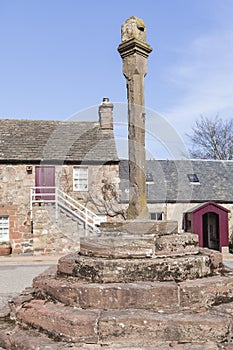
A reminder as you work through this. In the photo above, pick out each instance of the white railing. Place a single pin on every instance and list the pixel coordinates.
(45, 195)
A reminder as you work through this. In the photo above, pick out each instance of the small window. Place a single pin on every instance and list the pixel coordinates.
(4, 229)
(193, 178)
(156, 216)
(149, 177)
(80, 179)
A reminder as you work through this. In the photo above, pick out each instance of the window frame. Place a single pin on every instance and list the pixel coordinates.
(193, 178)
(4, 228)
(157, 214)
(77, 187)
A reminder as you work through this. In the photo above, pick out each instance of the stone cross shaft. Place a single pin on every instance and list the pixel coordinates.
(134, 52)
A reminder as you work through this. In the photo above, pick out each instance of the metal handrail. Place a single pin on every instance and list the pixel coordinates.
(65, 201)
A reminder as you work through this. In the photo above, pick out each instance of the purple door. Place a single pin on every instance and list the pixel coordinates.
(45, 177)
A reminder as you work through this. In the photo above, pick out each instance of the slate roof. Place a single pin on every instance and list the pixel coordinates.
(171, 182)
(36, 140)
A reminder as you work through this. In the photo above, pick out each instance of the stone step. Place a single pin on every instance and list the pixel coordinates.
(206, 292)
(176, 244)
(166, 346)
(144, 246)
(15, 337)
(84, 326)
(59, 321)
(143, 326)
(194, 294)
(118, 247)
(100, 270)
(154, 295)
(140, 227)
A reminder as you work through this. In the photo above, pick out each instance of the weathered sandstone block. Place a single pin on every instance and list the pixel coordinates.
(130, 270)
(152, 295)
(140, 227)
(143, 325)
(206, 292)
(118, 247)
(65, 323)
(176, 244)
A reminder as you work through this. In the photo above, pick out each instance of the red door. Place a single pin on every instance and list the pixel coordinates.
(45, 182)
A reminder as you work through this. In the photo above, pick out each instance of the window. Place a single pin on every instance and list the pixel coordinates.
(149, 177)
(4, 228)
(80, 179)
(193, 178)
(156, 216)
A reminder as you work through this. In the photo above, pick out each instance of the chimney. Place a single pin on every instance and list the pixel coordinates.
(105, 114)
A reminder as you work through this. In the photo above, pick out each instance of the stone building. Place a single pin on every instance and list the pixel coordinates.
(177, 187)
(38, 158)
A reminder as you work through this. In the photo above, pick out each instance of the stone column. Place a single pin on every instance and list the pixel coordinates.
(134, 52)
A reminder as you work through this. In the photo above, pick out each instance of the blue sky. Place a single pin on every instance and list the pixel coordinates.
(59, 57)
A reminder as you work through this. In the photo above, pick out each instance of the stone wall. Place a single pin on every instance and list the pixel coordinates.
(96, 175)
(15, 184)
(54, 233)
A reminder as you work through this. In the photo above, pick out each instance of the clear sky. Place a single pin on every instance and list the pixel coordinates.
(59, 57)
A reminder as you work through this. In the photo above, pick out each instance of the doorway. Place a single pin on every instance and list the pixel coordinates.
(45, 182)
(210, 224)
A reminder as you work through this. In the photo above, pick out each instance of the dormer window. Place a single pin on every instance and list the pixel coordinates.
(193, 178)
(149, 177)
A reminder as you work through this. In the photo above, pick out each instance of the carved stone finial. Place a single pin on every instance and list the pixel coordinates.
(133, 28)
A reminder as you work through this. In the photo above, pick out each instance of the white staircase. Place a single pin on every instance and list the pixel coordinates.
(61, 200)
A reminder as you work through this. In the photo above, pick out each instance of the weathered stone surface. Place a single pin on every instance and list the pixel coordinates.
(144, 246)
(118, 247)
(129, 270)
(141, 227)
(141, 325)
(228, 347)
(65, 323)
(191, 294)
(4, 307)
(215, 256)
(67, 264)
(155, 345)
(176, 244)
(224, 309)
(109, 296)
(206, 292)
(14, 337)
(134, 53)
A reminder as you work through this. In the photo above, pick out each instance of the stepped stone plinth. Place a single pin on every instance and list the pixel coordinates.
(139, 227)
(146, 246)
(100, 270)
(134, 287)
(118, 247)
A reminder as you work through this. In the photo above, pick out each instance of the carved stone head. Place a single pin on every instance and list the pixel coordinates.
(133, 28)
